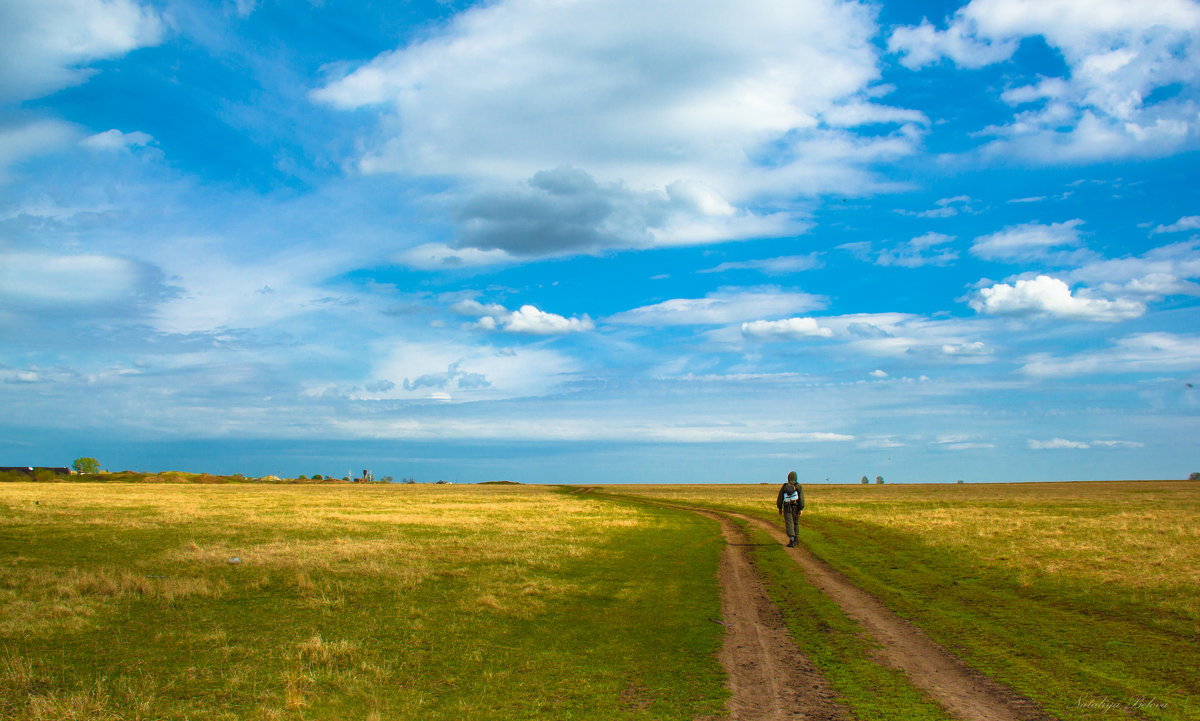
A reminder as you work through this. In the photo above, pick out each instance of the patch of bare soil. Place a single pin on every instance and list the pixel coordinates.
(768, 677)
(963, 691)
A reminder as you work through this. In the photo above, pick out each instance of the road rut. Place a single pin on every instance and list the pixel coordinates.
(964, 692)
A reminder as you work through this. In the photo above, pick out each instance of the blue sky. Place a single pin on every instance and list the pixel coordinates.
(592, 241)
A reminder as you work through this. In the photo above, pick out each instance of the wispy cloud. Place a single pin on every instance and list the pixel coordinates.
(1029, 241)
(1137, 353)
(1188, 222)
(725, 306)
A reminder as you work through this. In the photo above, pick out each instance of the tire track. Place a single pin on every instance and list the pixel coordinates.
(768, 676)
(964, 692)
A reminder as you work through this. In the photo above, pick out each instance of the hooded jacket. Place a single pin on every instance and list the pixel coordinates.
(785, 497)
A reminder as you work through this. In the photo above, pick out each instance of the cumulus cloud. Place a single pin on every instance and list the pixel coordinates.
(565, 210)
(1029, 241)
(1049, 297)
(1140, 353)
(1117, 54)
(721, 307)
(787, 328)
(527, 320)
(116, 140)
(671, 106)
(44, 44)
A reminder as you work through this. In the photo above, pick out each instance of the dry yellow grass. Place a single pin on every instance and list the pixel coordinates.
(1140, 538)
(257, 601)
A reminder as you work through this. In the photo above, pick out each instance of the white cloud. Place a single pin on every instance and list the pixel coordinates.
(72, 282)
(1045, 296)
(1189, 222)
(531, 321)
(887, 335)
(959, 442)
(923, 250)
(439, 256)
(721, 307)
(974, 348)
(1117, 53)
(20, 142)
(1160, 272)
(217, 294)
(647, 94)
(924, 44)
(1140, 353)
(44, 43)
(471, 307)
(787, 328)
(1056, 444)
(944, 208)
(877, 373)
(781, 265)
(451, 371)
(566, 211)
(1028, 241)
(116, 140)
(914, 253)
(527, 320)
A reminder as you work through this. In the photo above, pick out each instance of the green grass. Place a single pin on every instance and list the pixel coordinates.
(353, 602)
(1081, 596)
(836, 644)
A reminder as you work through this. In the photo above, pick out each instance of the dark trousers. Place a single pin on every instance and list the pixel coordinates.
(791, 520)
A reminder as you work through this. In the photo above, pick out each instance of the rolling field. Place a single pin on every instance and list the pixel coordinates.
(1081, 596)
(352, 602)
(232, 601)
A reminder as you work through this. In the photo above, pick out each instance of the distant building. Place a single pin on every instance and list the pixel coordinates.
(367, 477)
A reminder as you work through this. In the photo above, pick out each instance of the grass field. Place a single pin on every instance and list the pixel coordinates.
(120, 600)
(1082, 596)
(352, 602)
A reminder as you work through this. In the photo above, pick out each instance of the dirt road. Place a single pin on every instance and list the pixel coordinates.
(768, 677)
(964, 692)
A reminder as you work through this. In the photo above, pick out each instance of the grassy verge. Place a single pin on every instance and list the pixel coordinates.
(1080, 596)
(835, 643)
(121, 601)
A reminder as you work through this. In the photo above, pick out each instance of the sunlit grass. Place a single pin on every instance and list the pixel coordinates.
(281, 602)
(1065, 591)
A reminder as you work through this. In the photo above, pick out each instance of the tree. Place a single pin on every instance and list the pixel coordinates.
(85, 465)
(879, 479)
(1194, 477)
(864, 481)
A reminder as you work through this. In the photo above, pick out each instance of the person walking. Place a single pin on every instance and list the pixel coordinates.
(791, 504)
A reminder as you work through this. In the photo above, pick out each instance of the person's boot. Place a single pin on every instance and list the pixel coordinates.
(791, 542)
